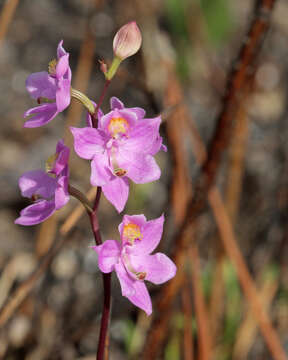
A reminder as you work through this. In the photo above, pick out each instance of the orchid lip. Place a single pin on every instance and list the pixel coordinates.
(139, 275)
(120, 172)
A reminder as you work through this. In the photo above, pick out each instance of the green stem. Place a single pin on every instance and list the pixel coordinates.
(113, 68)
(81, 197)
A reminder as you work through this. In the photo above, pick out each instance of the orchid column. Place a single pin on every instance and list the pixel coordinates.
(121, 146)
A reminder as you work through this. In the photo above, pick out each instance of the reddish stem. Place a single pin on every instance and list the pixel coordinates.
(97, 236)
(95, 115)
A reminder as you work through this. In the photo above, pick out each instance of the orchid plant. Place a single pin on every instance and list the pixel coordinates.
(121, 146)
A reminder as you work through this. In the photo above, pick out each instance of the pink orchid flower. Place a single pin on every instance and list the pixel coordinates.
(132, 259)
(122, 148)
(54, 85)
(49, 193)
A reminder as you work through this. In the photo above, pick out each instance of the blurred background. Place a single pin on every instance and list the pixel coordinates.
(181, 72)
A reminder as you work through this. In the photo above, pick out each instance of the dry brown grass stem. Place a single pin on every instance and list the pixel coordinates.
(232, 250)
(248, 329)
(6, 16)
(203, 330)
(188, 352)
(21, 293)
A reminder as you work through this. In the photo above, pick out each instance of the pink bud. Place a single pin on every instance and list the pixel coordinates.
(127, 41)
(103, 66)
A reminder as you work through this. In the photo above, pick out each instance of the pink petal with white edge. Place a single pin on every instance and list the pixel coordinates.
(115, 103)
(139, 112)
(61, 162)
(40, 115)
(61, 193)
(141, 168)
(60, 50)
(41, 84)
(126, 282)
(37, 182)
(88, 141)
(116, 191)
(36, 213)
(100, 172)
(63, 95)
(141, 297)
(108, 255)
(158, 267)
(139, 220)
(143, 136)
(152, 233)
(62, 66)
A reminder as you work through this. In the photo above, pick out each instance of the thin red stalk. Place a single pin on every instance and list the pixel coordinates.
(97, 236)
(95, 115)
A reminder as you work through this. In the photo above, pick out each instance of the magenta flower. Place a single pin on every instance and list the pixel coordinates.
(122, 148)
(53, 85)
(132, 260)
(48, 193)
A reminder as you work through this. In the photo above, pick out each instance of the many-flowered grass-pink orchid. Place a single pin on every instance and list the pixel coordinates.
(53, 86)
(48, 190)
(132, 259)
(121, 148)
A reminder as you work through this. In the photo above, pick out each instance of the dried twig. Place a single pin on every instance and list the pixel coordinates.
(236, 84)
(6, 16)
(204, 336)
(187, 313)
(230, 244)
(26, 287)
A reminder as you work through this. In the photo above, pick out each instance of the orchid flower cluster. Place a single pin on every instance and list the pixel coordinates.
(121, 146)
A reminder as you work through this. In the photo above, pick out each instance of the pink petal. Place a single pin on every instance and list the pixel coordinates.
(41, 84)
(63, 157)
(134, 290)
(143, 136)
(157, 146)
(141, 297)
(139, 112)
(115, 103)
(152, 233)
(158, 267)
(40, 115)
(37, 182)
(126, 282)
(139, 220)
(140, 167)
(116, 191)
(108, 255)
(62, 66)
(100, 172)
(61, 192)
(63, 95)
(60, 50)
(129, 116)
(88, 141)
(36, 213)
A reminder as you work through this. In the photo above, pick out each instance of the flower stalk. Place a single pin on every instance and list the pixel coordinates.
(113, 68)
(81, 197)
(84, 100)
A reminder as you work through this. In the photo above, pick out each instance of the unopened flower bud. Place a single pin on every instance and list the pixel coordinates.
(103, 66)
(127, 40)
